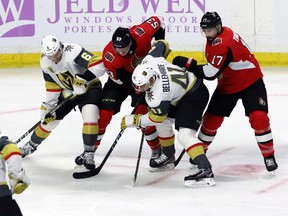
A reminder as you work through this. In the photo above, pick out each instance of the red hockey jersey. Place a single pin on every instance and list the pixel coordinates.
(119, 67)
(229, 58)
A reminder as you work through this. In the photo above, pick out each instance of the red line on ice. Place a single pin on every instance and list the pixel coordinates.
(272, 187)
(17, 111)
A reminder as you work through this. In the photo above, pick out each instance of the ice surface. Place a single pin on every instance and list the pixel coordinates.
(244, 187)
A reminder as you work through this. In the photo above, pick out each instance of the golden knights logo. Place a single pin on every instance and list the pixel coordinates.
(69, 48)
(66, 79)
(150, 95)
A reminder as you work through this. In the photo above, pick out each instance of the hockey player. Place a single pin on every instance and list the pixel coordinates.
(173, 93)
(239, 77)
(120, 56)
(11, 162)
(69, 69)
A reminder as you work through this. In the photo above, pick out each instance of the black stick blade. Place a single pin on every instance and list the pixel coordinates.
(86, 174)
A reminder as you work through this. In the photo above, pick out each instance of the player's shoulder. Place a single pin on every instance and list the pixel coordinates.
(146, 29)
(108, 48)
(45, 62)
(223, 40)
(109, 57)
(227, 35)
(71, 51)
(154, 62)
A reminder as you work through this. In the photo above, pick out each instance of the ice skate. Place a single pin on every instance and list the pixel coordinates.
(88, 162)
(270, 163)
(162, 163)
(202, 178)
(193, 164)
(28, 149)
(79, 160)
(155, 153)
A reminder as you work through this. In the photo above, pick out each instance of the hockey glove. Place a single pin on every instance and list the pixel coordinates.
(79, 86)
(46, 116)
(18, 182)
(130, 121)
(187, 63)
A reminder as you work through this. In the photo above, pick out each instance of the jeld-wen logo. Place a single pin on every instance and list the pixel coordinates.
(17, 18)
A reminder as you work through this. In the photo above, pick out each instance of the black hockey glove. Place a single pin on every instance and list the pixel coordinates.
(188, 63)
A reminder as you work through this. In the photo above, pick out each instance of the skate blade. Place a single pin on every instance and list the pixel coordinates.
(163, 168)
(206, 182)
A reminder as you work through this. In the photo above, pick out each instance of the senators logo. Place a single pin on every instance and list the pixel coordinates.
(140, 31)
(109, 57)
(217, 41)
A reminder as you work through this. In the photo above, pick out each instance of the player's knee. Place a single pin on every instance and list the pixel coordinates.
(212, 122)
(187, 137)
(90, 113)
(165, 129)
(259, 120)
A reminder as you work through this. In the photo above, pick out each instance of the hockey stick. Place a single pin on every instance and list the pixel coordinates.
(179, 158)
(51, 112)
(138, 160)
(94, 172)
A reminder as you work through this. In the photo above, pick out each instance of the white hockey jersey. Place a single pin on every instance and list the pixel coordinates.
(59, 77)
(171, 85)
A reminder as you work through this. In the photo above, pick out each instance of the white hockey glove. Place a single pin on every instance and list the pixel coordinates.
(46, 116)
(130, 121)
(18, 182)
(79, 86)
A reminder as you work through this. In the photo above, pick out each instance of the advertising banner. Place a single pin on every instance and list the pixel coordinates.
(91, 23)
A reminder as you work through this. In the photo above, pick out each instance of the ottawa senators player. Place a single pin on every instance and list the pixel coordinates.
(120, 56)
(239, 77)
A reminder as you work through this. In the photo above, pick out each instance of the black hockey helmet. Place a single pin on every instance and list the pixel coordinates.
(121, 37)
(210, 19)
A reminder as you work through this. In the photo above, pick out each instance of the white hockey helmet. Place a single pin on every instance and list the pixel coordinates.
(50, 45)
(143, 77)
